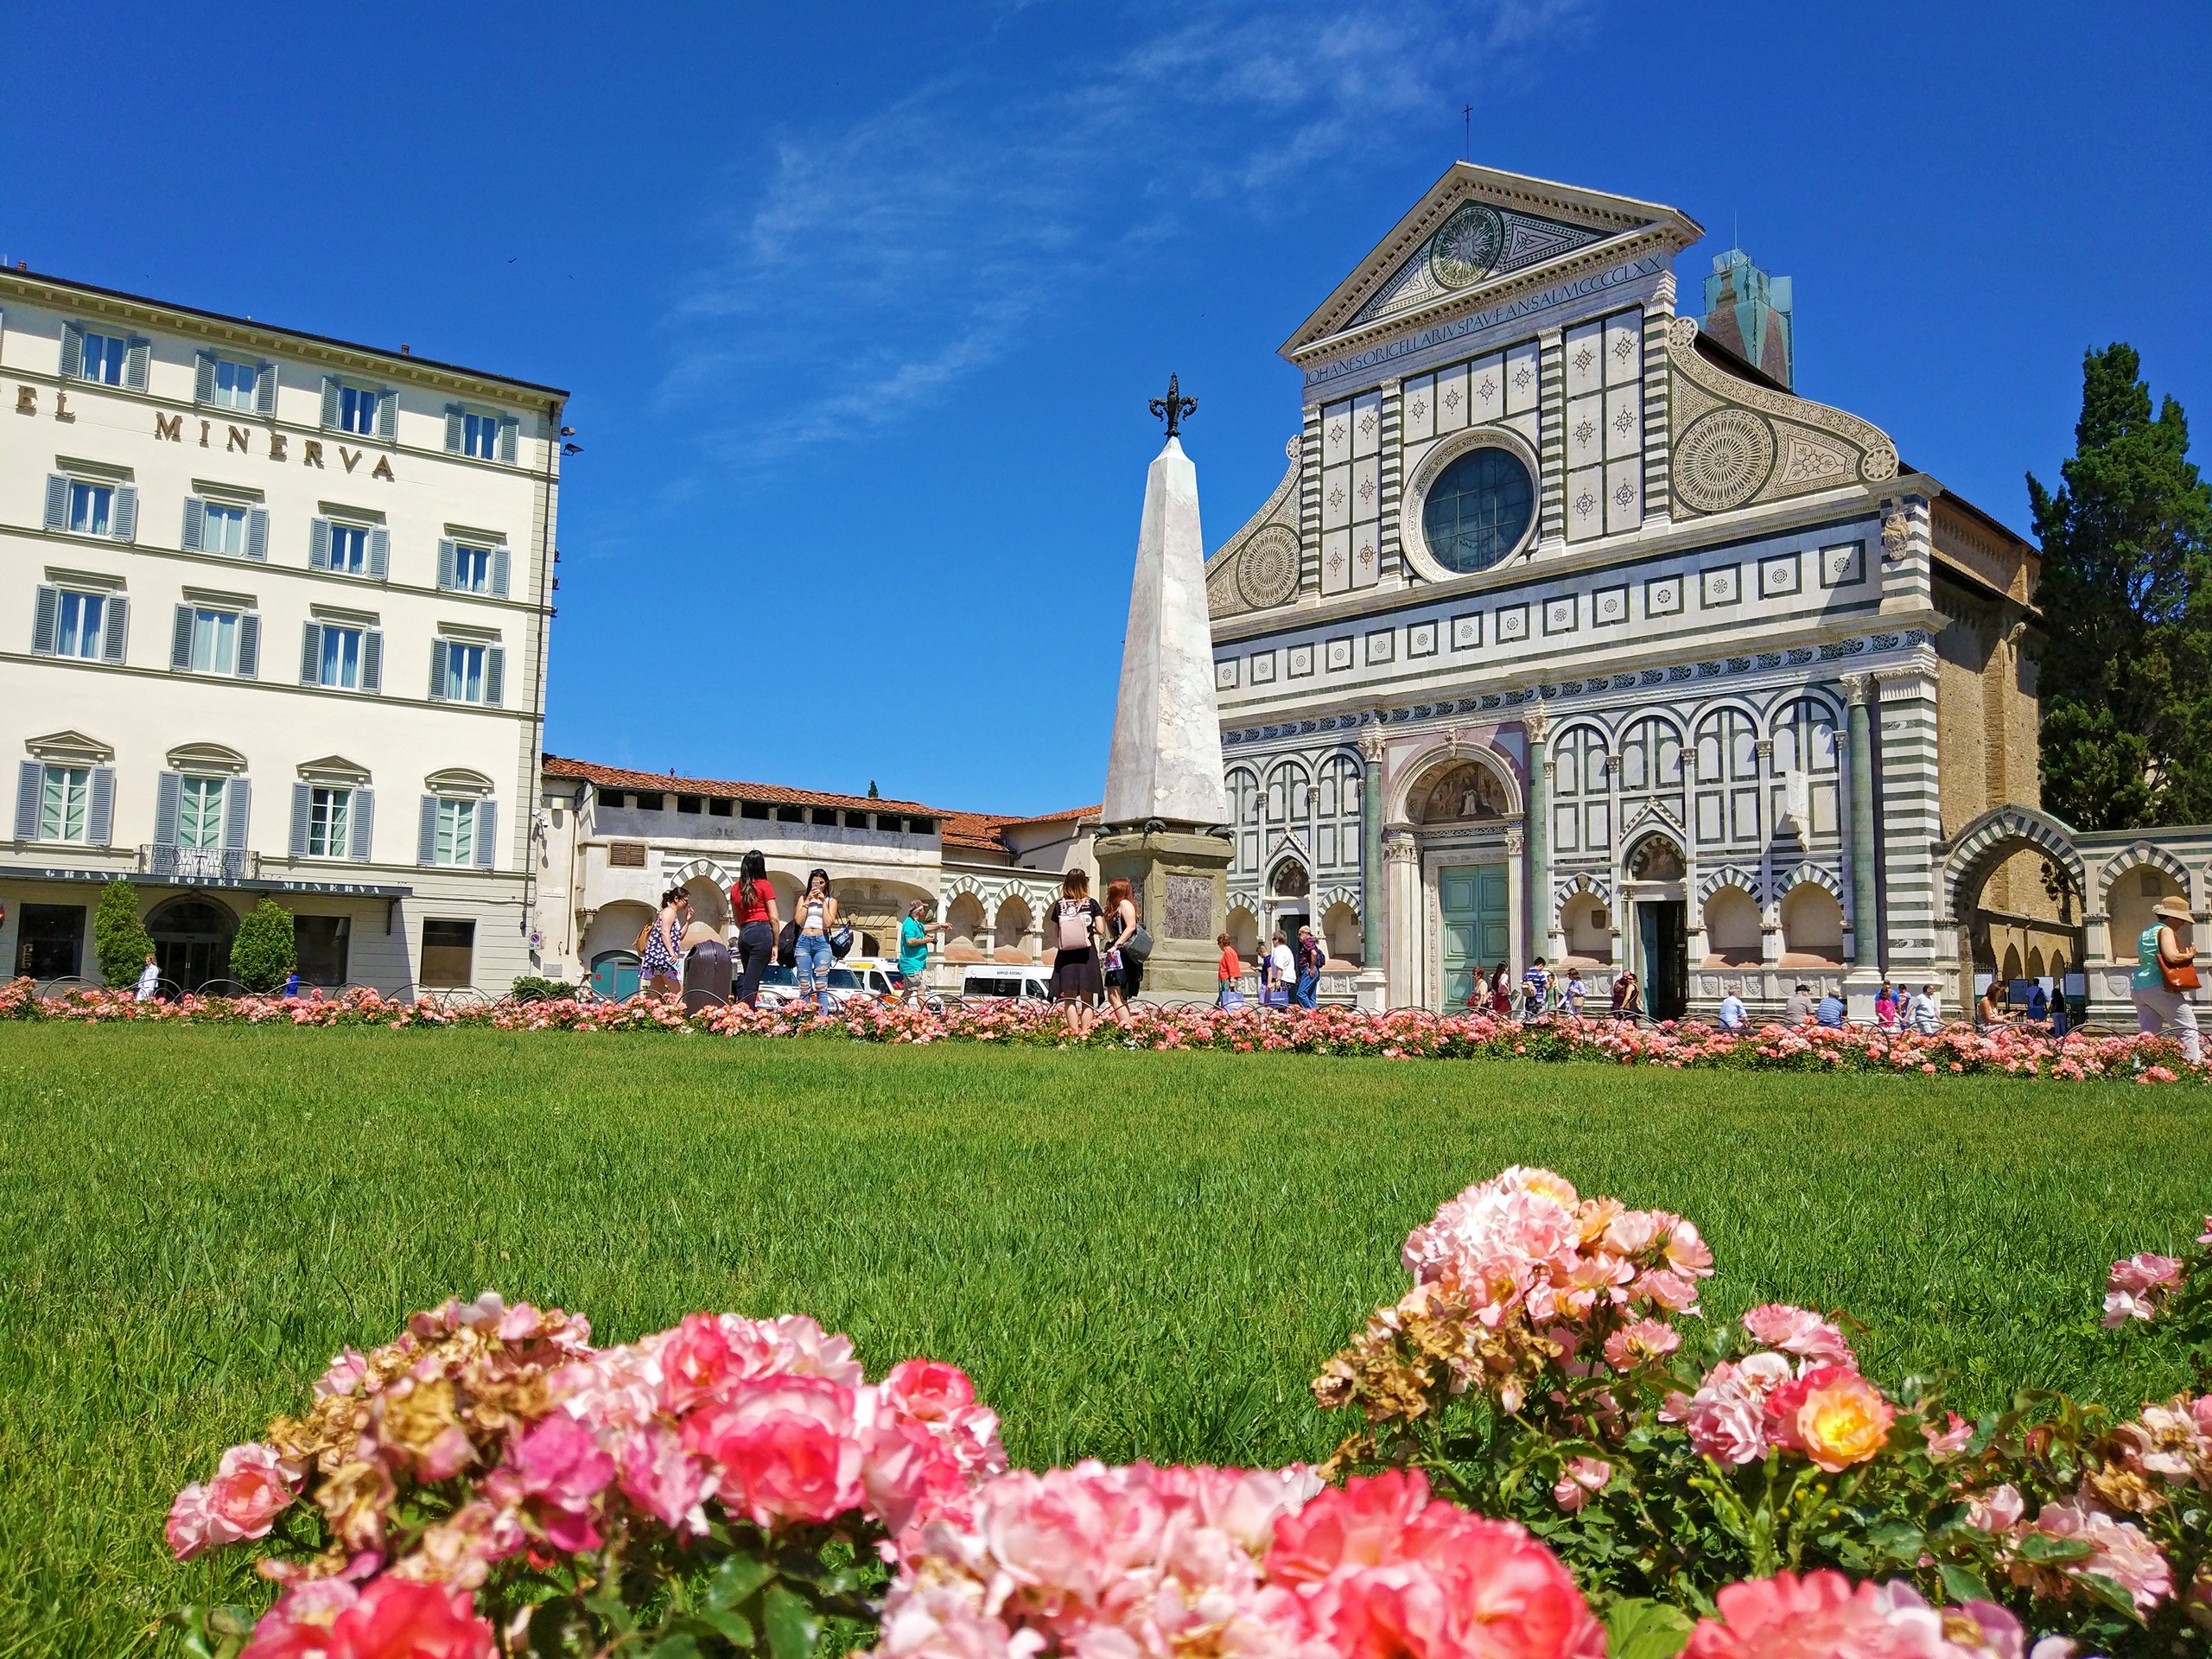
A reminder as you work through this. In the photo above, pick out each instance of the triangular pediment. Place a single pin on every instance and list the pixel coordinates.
(71, 745)
(1479, 234)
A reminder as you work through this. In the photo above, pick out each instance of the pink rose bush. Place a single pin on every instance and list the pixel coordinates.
(1400, 1033)
(1145, 1563)
(1548, 1365)
(492, 1481)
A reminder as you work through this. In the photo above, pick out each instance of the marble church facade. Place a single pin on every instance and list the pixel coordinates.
(1568, 633)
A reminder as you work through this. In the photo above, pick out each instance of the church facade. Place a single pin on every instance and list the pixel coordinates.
(1572, 631)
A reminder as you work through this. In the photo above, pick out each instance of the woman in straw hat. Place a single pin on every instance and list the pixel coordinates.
(2165, 974)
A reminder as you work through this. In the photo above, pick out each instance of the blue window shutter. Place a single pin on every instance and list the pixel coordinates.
(116, 629)
(134, 355)
(426, 846)
(371, 659)
(237, 807)
(360, 823)
(181, 638)
(499, 572)
(387, 413)
(167, 799)
(250, 645)
(318, 545)
(126, 513)
(379, 553)
(487, 834)
(203, 377)
(329, 400)
(454, 416)
(265, 389)
(508, 428)
(73, 351)
(102, 826)
(57, 501)
(495, 674)
(45, 620)
(302, 812)
(196, 523)
(256, 533)
(445, 564)
(311, 655)
(30, 784)
(438, 670)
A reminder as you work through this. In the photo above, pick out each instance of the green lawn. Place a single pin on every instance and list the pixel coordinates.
(1136, 1254)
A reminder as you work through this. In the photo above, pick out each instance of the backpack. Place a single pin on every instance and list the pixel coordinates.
(1075, 926)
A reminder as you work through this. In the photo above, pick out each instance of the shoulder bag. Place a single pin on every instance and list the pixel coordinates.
(2178, 975)
(1138, 944)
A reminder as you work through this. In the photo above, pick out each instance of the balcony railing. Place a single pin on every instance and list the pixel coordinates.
(200, 864)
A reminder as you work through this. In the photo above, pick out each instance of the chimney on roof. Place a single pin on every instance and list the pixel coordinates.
(1749, 312)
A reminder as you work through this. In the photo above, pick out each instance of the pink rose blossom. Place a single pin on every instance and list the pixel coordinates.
(2143, 1272)
(1798, 1331)
(347, 1373)
(1641, 1340)
(2120, 1551)
(252, 1486)
(1946, 1443)
(1580, 1478)
(661, 1477)
(786, 1447)
(1823, 1615)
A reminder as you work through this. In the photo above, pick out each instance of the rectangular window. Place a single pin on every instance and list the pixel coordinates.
(64, 804)
(472, 568)
(235, 385)
(104, 355)
(92, 506)
(222, 529)
(479, 437)
(349, 549)
(464, 674)
(357, 410)
(456, 842)
(328, 810)
(51, 942)
(78, 624)
(341, 657)
(448, 949)
(200, 813)
(318, 942)
(214, 643)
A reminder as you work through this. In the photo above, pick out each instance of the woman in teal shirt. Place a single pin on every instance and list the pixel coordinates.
(2159, 1009)
(913, 950)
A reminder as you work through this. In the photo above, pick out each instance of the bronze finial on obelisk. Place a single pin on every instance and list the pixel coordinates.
(1174, 407)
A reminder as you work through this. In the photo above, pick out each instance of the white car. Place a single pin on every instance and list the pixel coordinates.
(856, 978)
(1007, 979)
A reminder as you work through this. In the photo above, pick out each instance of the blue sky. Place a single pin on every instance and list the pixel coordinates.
(861, 305)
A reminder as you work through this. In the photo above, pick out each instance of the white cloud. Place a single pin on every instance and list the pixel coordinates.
(885, 258)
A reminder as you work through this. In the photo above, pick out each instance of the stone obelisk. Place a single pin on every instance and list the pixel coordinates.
(1166, 804)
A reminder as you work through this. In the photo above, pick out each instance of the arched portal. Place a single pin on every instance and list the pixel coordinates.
(192, 939)
(2015, 884)
(1655, 901)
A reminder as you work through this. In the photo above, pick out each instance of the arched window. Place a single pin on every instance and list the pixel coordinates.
(1582, 813)
(1651, 756)
(1727, 777)
(1285, 800)
(1804, 738)
(1805, 768)
(1336, 814)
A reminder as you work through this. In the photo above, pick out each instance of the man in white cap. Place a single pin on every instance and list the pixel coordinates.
(2165, 974)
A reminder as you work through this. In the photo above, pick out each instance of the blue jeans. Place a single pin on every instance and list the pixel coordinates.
(1309, 988)
(813, 960)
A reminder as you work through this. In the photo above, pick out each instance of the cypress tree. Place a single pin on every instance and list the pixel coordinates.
(2127, 594)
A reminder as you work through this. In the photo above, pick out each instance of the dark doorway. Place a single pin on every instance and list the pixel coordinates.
(52, 943)
(1663, 929)
(320, 943)
(192, 941)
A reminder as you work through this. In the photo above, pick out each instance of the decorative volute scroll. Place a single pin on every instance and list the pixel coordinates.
(1736, 443)
(1257, 568)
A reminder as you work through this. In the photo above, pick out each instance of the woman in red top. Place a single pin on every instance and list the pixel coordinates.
(753, 909)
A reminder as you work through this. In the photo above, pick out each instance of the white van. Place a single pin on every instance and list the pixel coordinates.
(1012, 979)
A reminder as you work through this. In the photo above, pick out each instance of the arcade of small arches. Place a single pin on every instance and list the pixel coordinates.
(2026, 896)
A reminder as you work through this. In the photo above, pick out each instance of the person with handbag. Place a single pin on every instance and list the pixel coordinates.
(2165, 972)
(1228, 973)
(1127, 943)
(818, 920)
(1077, 982)
(753, 908)
(1282, 972)
(660, 955)
(1309, 958)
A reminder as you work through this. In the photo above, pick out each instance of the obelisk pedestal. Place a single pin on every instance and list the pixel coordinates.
(1166, 804)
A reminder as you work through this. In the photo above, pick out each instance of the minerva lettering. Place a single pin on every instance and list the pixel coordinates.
(237, 440)
(1596, 282)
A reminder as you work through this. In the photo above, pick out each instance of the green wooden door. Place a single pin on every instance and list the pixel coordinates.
(1472, 899)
